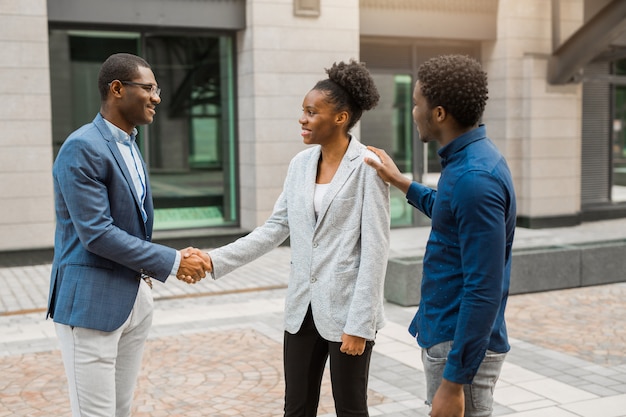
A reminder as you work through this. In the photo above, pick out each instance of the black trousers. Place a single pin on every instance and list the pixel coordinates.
(304, 357)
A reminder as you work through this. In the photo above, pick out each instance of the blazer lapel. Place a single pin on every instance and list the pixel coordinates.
(309, 185)
(112, 144)
(345, 170)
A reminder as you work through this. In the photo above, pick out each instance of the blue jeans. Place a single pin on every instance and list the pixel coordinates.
(478, 394)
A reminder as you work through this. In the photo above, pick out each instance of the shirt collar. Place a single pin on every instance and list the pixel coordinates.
(462, 141)
(119, 135)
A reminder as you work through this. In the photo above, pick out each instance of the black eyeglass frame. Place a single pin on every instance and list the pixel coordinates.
(151, 88)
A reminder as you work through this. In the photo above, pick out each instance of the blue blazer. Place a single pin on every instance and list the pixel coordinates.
(101, 244)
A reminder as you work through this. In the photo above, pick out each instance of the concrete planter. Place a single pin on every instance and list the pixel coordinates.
(535, 269)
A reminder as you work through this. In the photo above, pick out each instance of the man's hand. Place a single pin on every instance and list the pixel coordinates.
(194, 265)
(449, 400)
(352, 345)
(388, 170)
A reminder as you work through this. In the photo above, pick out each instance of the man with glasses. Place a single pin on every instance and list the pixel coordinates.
(100, 298)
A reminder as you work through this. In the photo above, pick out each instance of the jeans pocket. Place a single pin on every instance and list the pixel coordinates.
(434, 360)
(482, 387)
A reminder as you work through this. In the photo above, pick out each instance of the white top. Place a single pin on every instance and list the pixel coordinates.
(320, 192)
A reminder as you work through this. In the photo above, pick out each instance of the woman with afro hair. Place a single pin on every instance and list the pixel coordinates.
(335, 211)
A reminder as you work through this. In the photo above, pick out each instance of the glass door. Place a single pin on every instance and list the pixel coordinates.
(190, 146)
(190, 149)
(390, 127)
(618, 189)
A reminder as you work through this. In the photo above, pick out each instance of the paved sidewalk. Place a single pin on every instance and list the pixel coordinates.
(216, 347)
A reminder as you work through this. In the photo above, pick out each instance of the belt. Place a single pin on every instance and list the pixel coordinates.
(147, 279)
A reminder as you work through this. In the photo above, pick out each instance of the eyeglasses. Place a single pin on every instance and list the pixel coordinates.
(151, 88)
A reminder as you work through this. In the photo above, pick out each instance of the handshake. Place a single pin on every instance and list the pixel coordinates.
(194, 265)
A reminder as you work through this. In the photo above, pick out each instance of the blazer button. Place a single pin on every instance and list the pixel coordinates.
(315, 245)
(313, 279)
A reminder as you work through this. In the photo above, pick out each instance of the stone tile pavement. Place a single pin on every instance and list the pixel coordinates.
(216, 347)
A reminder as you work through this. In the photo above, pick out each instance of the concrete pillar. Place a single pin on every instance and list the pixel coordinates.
(536, 125)
(280, 57)
(26, 200)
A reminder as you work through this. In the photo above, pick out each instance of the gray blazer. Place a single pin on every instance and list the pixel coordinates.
(338, 261)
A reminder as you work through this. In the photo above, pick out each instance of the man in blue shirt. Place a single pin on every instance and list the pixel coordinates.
(460, 321)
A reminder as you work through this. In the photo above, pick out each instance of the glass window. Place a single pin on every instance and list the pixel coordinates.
(618, 191)
(190, 146)
(390, 127)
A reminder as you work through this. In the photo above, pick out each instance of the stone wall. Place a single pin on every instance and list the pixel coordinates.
(26, 200)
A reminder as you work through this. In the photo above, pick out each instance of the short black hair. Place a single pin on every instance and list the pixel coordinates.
(121, 67)
(349, 87)
(458, 84)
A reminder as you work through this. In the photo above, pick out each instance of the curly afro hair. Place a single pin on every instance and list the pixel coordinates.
(349, 87)
(458, 84)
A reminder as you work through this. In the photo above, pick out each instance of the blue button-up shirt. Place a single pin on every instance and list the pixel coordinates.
(467, 263)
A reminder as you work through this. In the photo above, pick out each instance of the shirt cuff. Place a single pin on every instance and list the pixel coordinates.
(176, 263)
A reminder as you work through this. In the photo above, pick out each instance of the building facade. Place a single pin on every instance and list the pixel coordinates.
(233, 74)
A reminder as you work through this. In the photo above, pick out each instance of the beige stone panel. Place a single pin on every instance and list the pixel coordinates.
(553, 168)
(248, 175)
(496, 128)
(245, 110)
(557, 148)
(25, 133)
(21, 159)
(427, 24)
(277, 106)
(572, 90)
(288, 62)
(25, 184)
(247, 197)
(510, 148)
(515, 166)
(496, 109)
(523, 204)
(572, 10)
(280, 153)
(505, 68)
(553, 188)
(268, 196)
(23, 7)
(523, 8)
(34, 54)
(20, 80)
(296, 85)
(246, 84)
(335, 14)
(27, 210)
(248, 218)
(286, 134)
(26, 236)
(504, 88)
(553, 107)
(10, 56)
(270, 175)
(25, 107)
(510, 48)
(23, 28)
(528, 28)
(554, 206)
(555, 128)
(305, 40)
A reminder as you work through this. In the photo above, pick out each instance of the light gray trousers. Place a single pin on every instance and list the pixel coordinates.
(102, 367)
